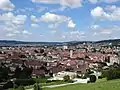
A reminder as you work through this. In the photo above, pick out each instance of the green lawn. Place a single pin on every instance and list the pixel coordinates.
(99, 85)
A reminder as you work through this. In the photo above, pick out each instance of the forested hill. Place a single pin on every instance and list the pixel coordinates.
(13, 42)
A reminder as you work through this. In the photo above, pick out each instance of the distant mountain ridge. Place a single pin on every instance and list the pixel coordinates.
(13, 42)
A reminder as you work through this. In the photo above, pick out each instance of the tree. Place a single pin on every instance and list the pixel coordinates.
(4, 71)
(25, 73)
(41, 50)
(37, 87)
(66, 78)
(17, 72)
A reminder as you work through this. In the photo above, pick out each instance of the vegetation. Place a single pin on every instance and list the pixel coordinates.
(21, 88)
(101, 84)
(37, 87)
(113, 74)
(66, 78)
(24, 82)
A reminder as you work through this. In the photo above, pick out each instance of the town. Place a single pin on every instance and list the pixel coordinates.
(59, 44)
(54, 63)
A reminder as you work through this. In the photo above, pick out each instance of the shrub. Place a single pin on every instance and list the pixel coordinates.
(100, 77)
(78, 76)
(70, 81)
(104, 74)
(93, 78)
(21, 88)
(37, 87)
(85, 76)
(113, 74)
(66, 78)
(24, 82)
(8, 85)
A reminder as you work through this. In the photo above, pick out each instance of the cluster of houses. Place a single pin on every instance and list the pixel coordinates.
(56, 60)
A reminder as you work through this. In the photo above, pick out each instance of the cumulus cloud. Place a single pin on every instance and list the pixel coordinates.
(106, 32)
(56, 20)
(6, 5)
(65, 3)
(10, 34)
(18, 19)
(111, 1)
(105, 1)
(46, 1)
(34, 18)
(95, 26)
(12, 25)
(34, 25)
(93, 1)
(53, 18)
(77, 32)
(25, 32)
(71, 24)
(112, 14)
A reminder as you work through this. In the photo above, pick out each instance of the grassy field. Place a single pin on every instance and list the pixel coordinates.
(99, 85)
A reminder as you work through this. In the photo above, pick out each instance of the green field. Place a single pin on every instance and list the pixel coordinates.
(99, 85)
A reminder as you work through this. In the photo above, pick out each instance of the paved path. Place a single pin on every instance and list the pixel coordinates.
(53, 86)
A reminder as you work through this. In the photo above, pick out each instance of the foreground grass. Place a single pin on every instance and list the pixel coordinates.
(99, 85)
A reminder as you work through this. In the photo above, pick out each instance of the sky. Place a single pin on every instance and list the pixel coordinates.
(59, 20)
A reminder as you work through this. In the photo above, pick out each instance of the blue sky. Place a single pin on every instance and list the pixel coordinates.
(59, 20)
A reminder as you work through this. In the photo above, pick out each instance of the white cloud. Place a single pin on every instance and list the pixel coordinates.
(10, 17)
(19, 19)
(97, 12)
(65, 3)
(34, 25)
(110, 1)
(93, 1)
(6, 5)
(77, 33)
(53, 18)
(62, 8)
(95, 26)
(71, 3)
(105, 1)
(25, 32)
(54, 31)
(10, 34)
(112, 14)
(34, 18)
(13, 25)
(63, 37)
(16, 32)
(52, 26)
(95, 34)
(41, 9)
(106, 32)
(46, 1)
(71, 24)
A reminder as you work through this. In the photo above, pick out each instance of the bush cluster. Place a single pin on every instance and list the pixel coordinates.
(113, 74)
(24, 82)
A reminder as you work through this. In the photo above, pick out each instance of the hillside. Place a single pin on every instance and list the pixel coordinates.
(13, 42)
(100, 85)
